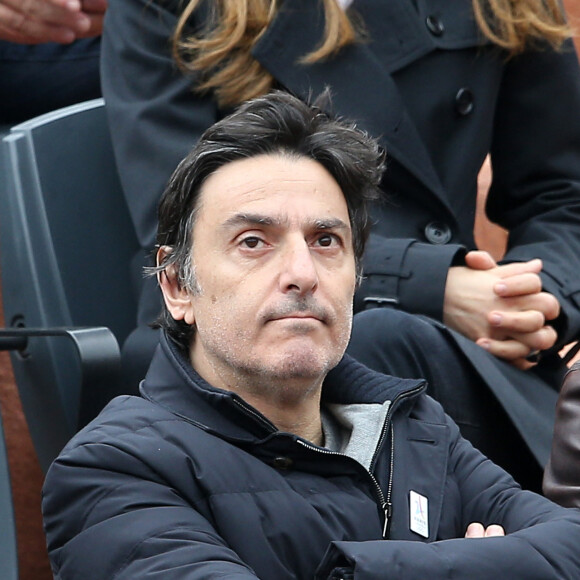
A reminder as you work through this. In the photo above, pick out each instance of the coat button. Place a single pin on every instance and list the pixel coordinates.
(434, 25)
(437, 232)
(282, 462)
(464, 101)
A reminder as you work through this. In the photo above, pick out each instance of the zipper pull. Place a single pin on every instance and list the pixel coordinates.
(388, 509)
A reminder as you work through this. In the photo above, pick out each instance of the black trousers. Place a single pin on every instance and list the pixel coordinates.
(35, 79)
(409, 346)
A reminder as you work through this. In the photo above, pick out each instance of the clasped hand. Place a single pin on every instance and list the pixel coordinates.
(39, 21)
(501, 308)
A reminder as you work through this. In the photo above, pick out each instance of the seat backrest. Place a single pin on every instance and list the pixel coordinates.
(66, 244)
(8, 550)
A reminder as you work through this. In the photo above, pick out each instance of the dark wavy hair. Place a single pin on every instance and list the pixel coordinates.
(276, 123)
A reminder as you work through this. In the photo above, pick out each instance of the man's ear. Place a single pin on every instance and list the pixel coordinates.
(177, 298)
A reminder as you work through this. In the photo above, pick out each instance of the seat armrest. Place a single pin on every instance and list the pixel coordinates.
(99, 356)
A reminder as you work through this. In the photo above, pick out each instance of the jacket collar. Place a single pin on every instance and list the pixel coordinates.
(172, 383)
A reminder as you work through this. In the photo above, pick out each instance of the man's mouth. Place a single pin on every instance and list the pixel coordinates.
(300, 311)
(298, 316)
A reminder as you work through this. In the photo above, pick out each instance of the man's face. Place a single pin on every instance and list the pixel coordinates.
(275, 268)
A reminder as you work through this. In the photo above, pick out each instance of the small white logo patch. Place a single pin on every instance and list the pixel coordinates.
(418, 514)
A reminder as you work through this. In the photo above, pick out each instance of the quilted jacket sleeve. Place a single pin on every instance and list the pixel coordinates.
(540, 541)
(110, 512)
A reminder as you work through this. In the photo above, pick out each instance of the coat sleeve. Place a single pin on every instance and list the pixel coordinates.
(540, 541)
(154, 116)
(535, 192)
(406, 274)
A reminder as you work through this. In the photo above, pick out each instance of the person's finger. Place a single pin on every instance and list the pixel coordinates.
(520, 345)
(475, 530)
(546, 303)
(540, 340)
(508, 349)
(479, 260)
(515, 268)
(520, 322)
(550, 306)
(35, 21)
(494, 530)
(95, 28)
(543, 302)
(15, 28)
(535, 339)
(518, 285)
(53, 11)
(65, 13)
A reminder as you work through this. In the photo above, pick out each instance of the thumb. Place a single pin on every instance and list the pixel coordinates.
(479, 260)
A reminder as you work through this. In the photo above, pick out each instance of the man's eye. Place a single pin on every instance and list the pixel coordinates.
(252, 242)
(327, 240)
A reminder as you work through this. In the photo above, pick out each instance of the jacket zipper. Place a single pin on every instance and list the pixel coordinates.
(255, 415)
(386, 504)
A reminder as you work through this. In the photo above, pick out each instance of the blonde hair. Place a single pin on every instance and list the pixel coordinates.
(515, 24)
(221, 52)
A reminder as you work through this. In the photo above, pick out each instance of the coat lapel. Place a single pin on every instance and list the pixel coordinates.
(361, 85)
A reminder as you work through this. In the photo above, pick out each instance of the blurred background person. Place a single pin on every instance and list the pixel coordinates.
(49, 55)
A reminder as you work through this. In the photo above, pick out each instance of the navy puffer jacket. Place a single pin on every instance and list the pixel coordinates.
(190, 482)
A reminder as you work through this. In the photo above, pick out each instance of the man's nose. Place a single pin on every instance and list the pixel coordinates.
(298, 269)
